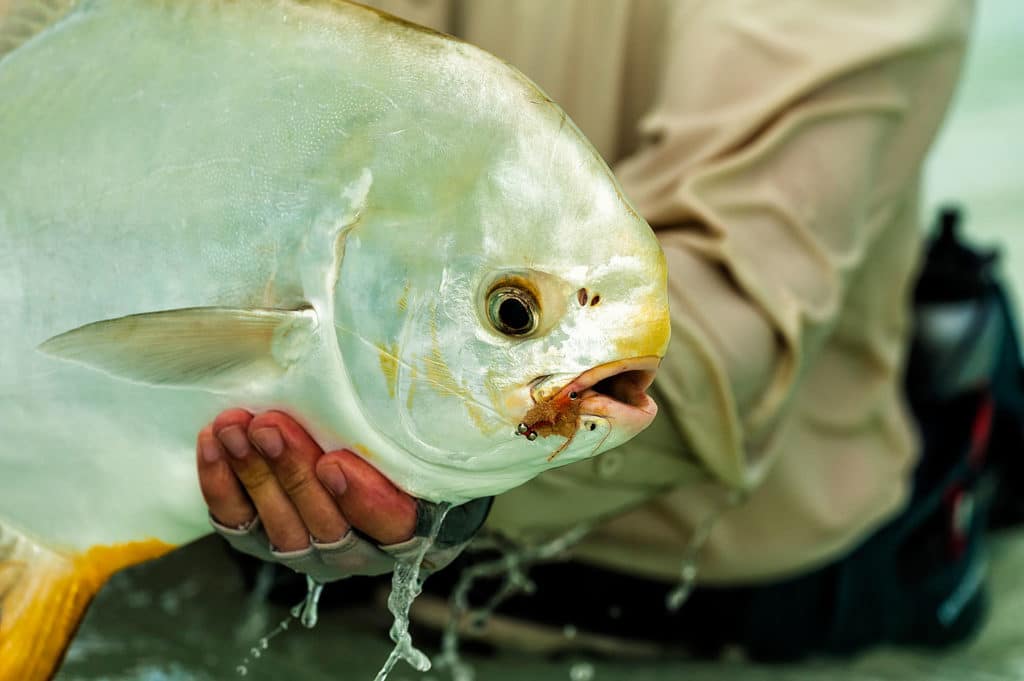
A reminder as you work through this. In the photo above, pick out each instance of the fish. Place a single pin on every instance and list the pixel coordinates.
(307, 206)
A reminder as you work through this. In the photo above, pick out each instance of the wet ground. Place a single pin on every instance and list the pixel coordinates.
(187, 618)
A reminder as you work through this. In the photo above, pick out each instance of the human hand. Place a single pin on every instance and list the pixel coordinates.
(274, 494)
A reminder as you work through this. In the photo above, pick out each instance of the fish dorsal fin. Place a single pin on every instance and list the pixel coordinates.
(22, 19)
(208, 347)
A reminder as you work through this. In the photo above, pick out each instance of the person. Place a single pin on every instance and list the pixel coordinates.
(776, 149)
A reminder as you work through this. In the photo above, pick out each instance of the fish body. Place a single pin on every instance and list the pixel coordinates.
(310, 207)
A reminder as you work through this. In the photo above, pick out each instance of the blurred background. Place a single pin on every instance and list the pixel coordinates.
(187, 617)
(978, 160)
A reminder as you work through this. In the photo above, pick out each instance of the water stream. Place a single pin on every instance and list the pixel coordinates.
(512, 567)
(688, 567)
(306, 612)
(406, 585)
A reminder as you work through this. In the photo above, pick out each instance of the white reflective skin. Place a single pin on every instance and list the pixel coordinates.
(269, 155)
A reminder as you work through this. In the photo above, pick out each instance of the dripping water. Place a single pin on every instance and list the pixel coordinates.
(406, 585)
(581, 671)
(512, 567)
(688, 567)
(256, 617)
(305, 611)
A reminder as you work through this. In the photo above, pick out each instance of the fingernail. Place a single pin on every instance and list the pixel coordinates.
(332, 476)
(268, 441)
(235, 440)
(209, 449)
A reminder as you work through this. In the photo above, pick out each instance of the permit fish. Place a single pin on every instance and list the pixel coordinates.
(307, 206)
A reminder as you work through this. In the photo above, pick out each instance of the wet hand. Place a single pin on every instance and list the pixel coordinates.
(267, 466)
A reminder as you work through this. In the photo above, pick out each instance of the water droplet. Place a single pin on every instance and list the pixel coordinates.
(678, 596)
(307, 611)
(687, 581)
(581, 671)
(263, 644)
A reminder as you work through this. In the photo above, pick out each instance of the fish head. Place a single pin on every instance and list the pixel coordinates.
(501, 307)
(521, 336)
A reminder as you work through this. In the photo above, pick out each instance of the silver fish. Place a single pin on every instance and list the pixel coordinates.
(306, 206)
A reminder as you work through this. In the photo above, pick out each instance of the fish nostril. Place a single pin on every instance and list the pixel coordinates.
(581, 297)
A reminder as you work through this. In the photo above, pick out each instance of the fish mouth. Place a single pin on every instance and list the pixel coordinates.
(615, 390)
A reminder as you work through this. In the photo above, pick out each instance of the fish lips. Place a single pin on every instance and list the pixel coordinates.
(616, 391)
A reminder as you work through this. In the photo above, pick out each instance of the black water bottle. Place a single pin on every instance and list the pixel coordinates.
(959, 324)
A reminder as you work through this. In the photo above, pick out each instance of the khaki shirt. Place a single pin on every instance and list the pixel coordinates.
(776, 148)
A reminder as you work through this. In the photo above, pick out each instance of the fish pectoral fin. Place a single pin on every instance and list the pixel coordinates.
(44, 595)
(209, 347)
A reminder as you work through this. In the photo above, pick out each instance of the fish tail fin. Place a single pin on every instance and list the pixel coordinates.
(44, 595)
(41, 603)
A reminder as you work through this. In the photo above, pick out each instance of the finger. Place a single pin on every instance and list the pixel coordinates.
(223, 493)
(281, 521)
(367, 499)
(292, 455)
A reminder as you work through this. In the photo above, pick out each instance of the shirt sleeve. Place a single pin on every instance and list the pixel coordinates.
(785, 136)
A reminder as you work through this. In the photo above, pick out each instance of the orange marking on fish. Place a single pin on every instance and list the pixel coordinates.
(403, 300)
(439, 376)
(652, 330)
(388, 357)
(47, 598)
(363, 451)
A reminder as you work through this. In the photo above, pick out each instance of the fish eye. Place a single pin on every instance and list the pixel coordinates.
(512, 310)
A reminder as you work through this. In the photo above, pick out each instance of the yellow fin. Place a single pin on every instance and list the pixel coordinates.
(22, 19)
(44, 595)
(211, 347)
